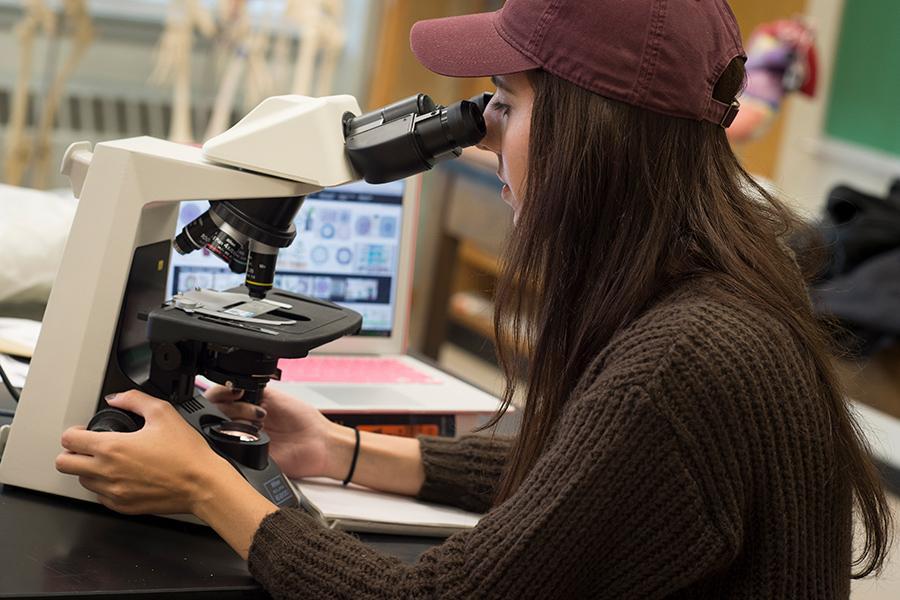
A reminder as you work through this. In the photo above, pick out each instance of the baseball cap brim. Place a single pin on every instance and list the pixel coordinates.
(466, 46)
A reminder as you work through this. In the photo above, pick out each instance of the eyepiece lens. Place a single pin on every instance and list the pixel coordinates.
(387, 149)
(466, 123)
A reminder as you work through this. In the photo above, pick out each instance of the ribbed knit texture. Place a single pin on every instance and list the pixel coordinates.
(695, 460)
(463, 472)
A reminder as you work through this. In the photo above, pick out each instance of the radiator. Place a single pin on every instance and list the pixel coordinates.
(97, 117)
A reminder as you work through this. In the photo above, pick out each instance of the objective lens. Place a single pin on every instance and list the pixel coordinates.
(211, 232)
(196, 234)
(229, 250)
(260, 269)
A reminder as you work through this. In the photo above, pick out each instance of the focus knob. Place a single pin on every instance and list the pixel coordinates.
(114, 419)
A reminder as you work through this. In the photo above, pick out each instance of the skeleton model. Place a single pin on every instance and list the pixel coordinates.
(333, 41)
(322, 40)
(246, 51)
(259, 81)
(22, 152)
(322, 37)
(78, 21)
(18, 151)
(174, 60)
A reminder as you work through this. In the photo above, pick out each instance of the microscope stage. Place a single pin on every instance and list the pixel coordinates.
(283, 324)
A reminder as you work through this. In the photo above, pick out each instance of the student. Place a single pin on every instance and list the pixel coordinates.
(683, 433)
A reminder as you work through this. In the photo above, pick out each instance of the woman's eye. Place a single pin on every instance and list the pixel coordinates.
(501, 108)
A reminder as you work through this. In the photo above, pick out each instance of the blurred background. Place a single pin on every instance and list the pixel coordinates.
(826, 137)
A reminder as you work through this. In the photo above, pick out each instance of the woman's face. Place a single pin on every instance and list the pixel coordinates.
(508, 119)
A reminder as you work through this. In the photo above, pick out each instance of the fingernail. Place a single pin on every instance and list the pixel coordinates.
(110, 397)
(260, 413)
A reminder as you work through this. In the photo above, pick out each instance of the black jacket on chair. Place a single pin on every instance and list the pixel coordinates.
(861, 285)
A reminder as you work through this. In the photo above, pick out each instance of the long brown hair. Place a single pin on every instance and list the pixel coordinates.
(601, 175)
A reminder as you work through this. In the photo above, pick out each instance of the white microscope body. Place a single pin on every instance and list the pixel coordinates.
(129, 193)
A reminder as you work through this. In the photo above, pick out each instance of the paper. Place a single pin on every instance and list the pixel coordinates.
(15, 370)
(19, 336)
(363, 509)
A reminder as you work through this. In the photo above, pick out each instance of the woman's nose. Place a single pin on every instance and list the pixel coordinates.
(491, 140)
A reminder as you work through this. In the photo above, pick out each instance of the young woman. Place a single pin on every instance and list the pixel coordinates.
(683, 433)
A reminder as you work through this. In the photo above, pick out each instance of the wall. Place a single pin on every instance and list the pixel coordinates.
(761, 156)
(810, 165)
(397, 72)
(113, 76)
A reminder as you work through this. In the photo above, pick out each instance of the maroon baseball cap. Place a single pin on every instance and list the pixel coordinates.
(662, 55)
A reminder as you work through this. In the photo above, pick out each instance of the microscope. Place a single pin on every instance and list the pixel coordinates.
(109, 326)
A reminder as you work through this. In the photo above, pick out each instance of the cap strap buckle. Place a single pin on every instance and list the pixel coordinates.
(730, 114)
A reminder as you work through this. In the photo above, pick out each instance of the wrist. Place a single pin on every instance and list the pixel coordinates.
(339, 446)
(232, 507)
(212, 486)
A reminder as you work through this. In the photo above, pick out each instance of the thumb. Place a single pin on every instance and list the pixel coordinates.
(136, 401)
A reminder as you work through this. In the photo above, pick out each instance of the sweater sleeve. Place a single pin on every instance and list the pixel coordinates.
(610, 510)
(463, 472)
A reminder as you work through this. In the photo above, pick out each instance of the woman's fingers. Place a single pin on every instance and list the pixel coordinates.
(219, 394)
(138, 403)
(228, 401)
(243, 411)
(75, 464)
(80, 440)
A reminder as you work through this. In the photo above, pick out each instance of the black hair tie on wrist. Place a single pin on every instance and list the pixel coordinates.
(355, 457)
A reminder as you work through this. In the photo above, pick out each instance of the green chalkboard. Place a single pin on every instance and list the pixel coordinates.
(864, 106)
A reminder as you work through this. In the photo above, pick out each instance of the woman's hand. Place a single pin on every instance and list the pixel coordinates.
(164, 468)
(303, 440)
(306, 444)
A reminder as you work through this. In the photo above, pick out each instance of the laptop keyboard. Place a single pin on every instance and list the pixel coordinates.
(351, 369)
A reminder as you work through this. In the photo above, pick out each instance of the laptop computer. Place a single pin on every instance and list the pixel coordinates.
(355, 247)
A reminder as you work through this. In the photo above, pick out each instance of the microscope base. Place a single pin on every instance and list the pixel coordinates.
(268, 480)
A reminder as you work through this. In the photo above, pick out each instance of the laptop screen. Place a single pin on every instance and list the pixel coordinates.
(347, 250)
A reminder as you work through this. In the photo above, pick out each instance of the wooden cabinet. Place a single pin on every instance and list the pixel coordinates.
(470, 303)
(473, 225)
(397, 73)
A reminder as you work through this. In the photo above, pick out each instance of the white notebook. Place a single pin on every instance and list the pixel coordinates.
(19, 336)
(356, 508)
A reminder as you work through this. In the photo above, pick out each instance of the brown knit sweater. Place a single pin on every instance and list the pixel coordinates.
(694, 460)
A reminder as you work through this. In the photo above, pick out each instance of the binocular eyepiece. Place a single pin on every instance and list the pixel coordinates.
(399, 140)
(411, 136)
